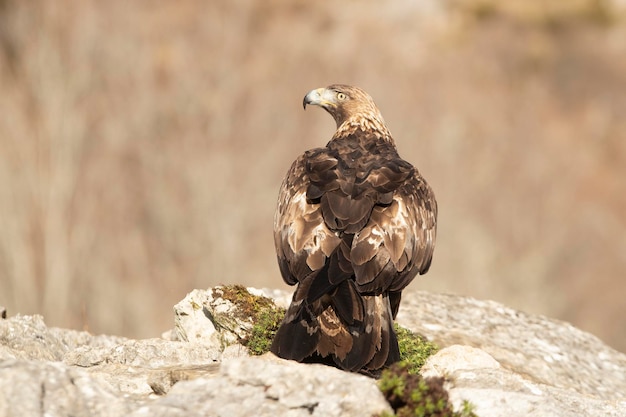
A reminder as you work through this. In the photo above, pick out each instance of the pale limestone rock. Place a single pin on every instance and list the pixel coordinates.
(28, 337)
(145, 353)
(507, 363)
(545, 350)
(201, 312)
(265, 388)
(32, 388)
(192, 320)
(134, 366)
(235, 351)
(458, 357)
(514, 364)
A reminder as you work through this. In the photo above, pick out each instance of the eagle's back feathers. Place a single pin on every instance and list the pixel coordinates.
(354, 225)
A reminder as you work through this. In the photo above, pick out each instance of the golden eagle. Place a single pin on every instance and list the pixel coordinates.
(355, 223)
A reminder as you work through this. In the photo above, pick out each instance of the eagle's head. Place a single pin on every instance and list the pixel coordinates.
(350, 106)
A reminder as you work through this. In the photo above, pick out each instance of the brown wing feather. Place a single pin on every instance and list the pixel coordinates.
(303, 240)
(401, 235)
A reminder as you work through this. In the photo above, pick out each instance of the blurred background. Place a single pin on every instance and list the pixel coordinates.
(142, 145)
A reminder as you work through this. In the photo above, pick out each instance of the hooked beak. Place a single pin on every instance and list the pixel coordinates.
(319, 97)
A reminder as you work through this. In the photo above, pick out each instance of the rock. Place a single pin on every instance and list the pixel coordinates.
(455, 358)
(193, 321)
(201, 311)
(541, 361)
(474, 375)
(162, 381)
(235, 351)
(505, 362)
(227, 315)
(141, 367)
(28, 337)
(146, 353)
(271, 387)
(45, 388)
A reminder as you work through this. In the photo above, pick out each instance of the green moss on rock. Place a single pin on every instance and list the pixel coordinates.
(261, 312)
(414, 349)
(409, 394)
(265, 327)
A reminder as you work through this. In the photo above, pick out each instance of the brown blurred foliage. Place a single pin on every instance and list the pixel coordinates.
(142, 145)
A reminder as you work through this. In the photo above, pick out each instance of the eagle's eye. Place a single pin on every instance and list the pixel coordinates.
(341, 96)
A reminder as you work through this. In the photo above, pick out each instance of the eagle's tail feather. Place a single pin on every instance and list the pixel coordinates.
(374, 343)
(298, 335)
(344, 327)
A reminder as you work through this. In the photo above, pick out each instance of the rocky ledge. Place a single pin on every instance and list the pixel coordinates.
(504, 362)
